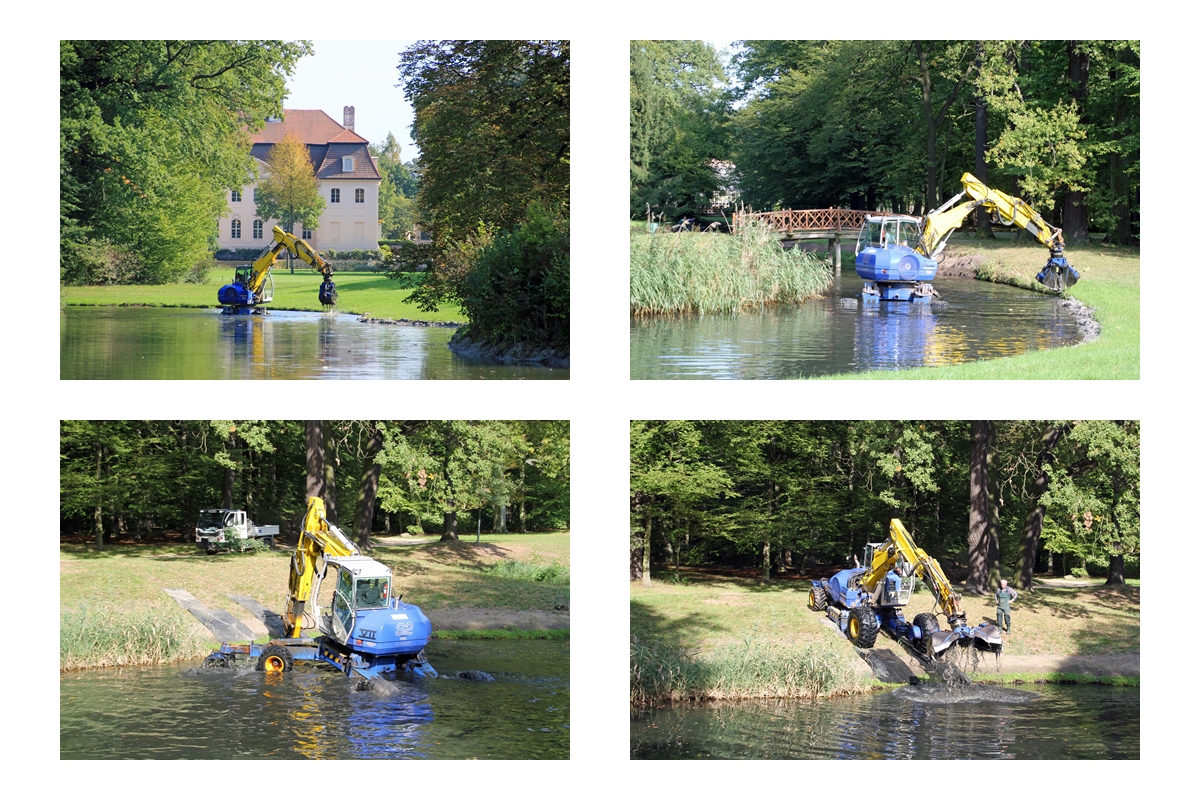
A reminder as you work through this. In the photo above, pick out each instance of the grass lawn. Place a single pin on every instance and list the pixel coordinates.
(1109, 283)
(431, 574)
(709, 611)
(358, 293)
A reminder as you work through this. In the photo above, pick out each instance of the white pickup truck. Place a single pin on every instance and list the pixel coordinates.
(216, 526)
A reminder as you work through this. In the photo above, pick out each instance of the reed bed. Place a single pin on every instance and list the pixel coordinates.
(753, 669)
(101, 636)
(712, 273)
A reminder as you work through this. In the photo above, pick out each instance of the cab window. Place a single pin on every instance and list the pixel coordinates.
(371, 593)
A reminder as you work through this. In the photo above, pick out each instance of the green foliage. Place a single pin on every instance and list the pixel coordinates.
(151, 136)
(705, 273)
(533, 572)
(677, 107)
(493, 127)
(518, 290)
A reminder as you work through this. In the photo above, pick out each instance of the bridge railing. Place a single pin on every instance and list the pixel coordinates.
(786, 221)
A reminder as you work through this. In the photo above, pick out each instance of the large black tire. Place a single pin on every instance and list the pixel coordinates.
(817, 598)
(218, 661)
(268, 541)
(928, 623)
(275, 658)
(863, 626)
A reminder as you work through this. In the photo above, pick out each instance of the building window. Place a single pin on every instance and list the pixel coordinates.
(335, 195)
(235, 196)
(257, 229)
(360, 196)
(348, 164)
(235, 229)
(306, 233)
(256, 194)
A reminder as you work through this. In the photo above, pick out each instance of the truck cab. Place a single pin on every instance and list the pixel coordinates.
(220, 526)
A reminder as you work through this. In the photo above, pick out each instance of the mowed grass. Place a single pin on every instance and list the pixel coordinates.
(709, 612)
(1109, 283)
(358, 293)
(127, 581)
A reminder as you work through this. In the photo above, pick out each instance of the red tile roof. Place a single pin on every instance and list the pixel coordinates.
(312, 126)
(328, 142)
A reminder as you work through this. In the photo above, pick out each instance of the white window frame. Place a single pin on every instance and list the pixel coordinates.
(335, 195)
(347, 163)
(360, 196)
(257, 229)
(235, 229)
(235, 195)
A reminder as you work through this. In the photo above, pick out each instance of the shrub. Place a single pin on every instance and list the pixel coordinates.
(99, 263)
(535, 572)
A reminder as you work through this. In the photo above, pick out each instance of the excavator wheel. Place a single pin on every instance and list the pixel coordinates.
(275, 658)
(928, 624)
(817, 598)
(863, 626)
(218, 661)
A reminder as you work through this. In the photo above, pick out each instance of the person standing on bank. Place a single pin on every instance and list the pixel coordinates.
(1004, 595)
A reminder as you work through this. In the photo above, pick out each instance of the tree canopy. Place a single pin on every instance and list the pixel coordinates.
(152, 135)
(892, 125)
(782, 495)
(290, 192)
(135, 478)
(493, 125)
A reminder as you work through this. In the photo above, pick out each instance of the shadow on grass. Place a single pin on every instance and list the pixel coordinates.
(649, 625)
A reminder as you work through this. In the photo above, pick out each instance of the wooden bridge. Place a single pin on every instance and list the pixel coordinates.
(830, 224)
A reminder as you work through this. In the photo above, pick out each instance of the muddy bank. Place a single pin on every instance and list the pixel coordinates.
(959, 266)
(466, 618)
(987, 667)
(518, 353)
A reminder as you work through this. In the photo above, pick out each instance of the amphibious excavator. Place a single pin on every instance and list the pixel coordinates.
(871, 597)
(897, 254)
(253, 285)
(367, 633)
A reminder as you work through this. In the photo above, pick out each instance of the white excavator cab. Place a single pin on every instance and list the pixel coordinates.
(362, 584)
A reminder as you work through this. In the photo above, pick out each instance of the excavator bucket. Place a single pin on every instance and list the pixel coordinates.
(982, 637)
(328, 293)
(1057, 275)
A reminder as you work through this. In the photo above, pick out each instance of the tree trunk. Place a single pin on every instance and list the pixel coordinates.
(635, 563)
(230, 473)
(646, 552)
(1037, 511)
(450, 524)
(98, 514)
(330, 492)
(983, 222)
(993, 555)
(367, 489)
(1116, 570)
(1075, 218)
(977, 533)
(314, 460)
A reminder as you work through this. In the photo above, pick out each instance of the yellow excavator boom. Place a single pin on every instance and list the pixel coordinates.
(297, 247)
(318, 539)
(1011, 210)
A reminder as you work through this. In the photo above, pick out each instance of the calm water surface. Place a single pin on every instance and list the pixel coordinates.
(980, 722)
(194, 343)
(312, 712)
(839, 334)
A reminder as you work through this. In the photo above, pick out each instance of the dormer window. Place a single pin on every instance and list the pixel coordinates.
(348, 164)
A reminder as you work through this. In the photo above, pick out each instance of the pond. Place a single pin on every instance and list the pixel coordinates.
(975, 320)
(118, 343)
(925, 722)
(313, 713)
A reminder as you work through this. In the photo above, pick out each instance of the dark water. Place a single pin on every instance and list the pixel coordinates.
(204, 344)
(312, 712)
(980, 722)
(839, 334)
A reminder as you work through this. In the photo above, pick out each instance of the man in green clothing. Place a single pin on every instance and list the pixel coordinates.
(1004, 595)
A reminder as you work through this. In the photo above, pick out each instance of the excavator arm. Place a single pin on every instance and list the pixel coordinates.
(318, 540)
(939, 224)
(902, 551)
(284, 241)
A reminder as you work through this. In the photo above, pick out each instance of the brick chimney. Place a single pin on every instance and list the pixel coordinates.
(348, 117)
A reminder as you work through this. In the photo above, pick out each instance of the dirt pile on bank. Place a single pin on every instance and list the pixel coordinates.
(959, 266)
